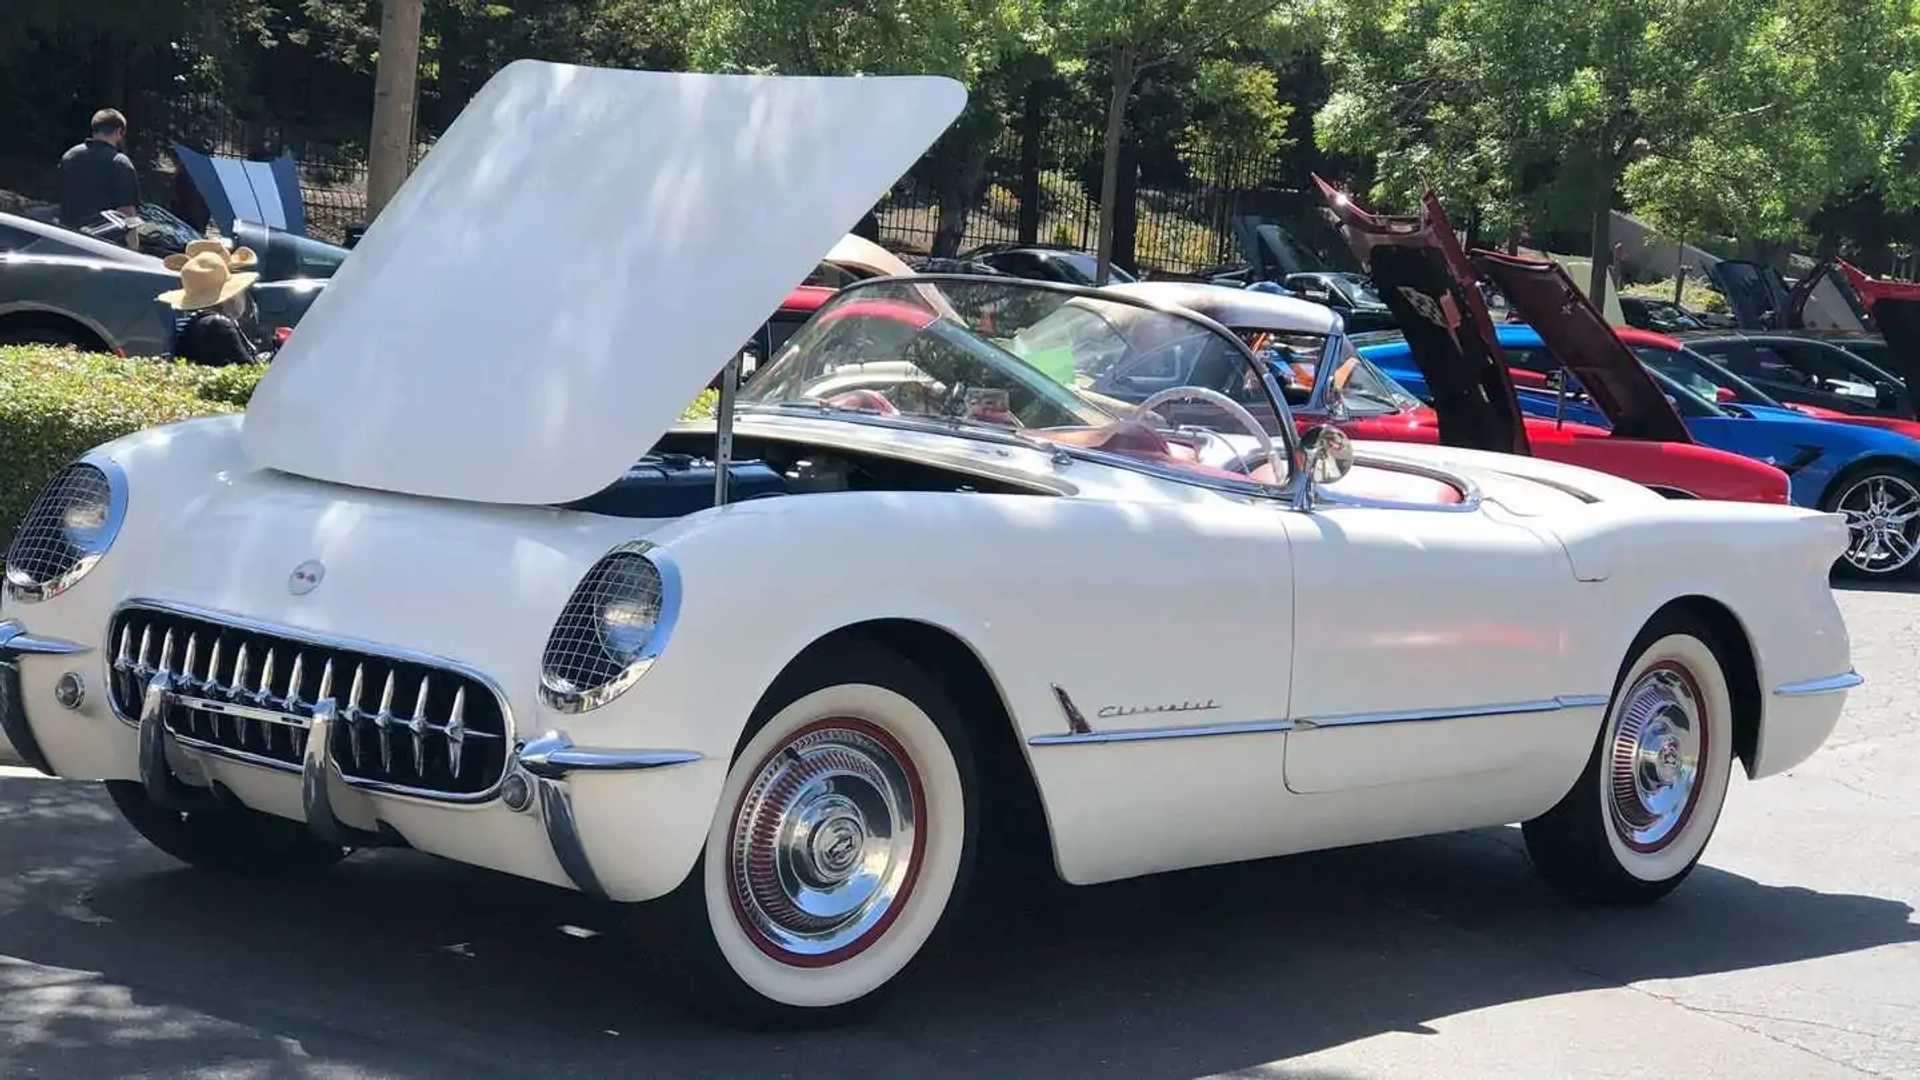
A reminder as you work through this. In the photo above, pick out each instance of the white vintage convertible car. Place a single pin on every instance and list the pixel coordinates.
(421, 594)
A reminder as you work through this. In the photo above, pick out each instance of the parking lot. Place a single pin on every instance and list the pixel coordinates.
(1791, 951)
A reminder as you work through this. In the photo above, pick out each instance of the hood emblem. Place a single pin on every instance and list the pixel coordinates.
(306, 577)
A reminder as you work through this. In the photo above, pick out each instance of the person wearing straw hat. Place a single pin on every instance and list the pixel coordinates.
(213, 298)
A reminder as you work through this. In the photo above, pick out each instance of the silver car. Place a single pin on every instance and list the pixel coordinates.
(60, 287)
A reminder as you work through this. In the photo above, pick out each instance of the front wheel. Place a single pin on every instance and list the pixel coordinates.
(1882, 508)
(1637, 820)
(843, 837)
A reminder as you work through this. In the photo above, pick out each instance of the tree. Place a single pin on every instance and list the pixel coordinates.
(1707, 114)
(1131, 38)
(978, 42)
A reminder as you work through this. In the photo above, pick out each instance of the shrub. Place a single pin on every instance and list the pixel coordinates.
(56, 404)
(1695, 295)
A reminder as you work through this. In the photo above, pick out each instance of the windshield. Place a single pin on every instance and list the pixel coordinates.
(1064, 367)
(1702, 376)
(1360, 289)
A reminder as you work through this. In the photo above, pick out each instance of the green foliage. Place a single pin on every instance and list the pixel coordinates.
(56, 404)
(1695, 295)
(1237, 111)
(1735, 118)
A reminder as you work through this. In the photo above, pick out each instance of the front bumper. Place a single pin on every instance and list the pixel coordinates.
(563, 813)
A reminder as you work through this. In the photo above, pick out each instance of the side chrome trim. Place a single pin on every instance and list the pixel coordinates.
(1467, 712)
(1832, 684)
(15, 639)
(1245, 727)
(554, 756)
(1260, 727)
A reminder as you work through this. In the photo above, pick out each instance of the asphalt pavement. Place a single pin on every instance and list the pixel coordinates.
(1792, 951)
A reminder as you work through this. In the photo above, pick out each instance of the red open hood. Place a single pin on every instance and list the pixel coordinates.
(1423, 276)
(1583, 343)
(1840, 296)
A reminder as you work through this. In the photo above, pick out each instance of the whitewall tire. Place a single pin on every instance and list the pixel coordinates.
(842, 839)
(1639, 817)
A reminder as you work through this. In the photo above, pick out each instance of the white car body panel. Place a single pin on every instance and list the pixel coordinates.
(1231, 624)
(420, 353)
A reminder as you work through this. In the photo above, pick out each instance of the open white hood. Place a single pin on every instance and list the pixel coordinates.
(569, 266)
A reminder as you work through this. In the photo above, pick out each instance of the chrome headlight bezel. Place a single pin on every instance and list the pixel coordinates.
(583, 624)
(87, 549)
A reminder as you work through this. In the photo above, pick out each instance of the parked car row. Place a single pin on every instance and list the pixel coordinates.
(60, 287)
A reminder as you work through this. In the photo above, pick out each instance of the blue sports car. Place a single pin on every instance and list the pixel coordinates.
(1871, 475)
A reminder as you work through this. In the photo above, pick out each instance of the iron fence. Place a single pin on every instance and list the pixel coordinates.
(332, 165)
(1043, 187)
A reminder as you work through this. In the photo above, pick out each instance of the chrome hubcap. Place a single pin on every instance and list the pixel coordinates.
(1654, 758)
(826, 843)
(1883, 517)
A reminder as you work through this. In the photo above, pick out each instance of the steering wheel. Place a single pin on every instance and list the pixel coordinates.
(1228, 405)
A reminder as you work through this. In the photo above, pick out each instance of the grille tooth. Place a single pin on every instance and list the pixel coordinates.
(294, 679)
(186, 664)
(382, 720)
(238, 688)
(352, 713)
(456, 731)
(264, 695)
(449, 738)
(417, 726)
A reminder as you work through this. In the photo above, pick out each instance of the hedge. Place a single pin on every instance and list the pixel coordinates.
(56, 404)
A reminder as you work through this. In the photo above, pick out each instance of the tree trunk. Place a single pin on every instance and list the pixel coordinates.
(1602, 229)
(390, 150)
(1124, 72)
(1033, 121)
(1126, 210)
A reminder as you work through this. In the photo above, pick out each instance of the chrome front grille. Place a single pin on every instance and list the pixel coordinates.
(403, 722)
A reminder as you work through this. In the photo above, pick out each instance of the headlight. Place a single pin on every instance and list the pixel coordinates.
(614, 625)
(70, 527)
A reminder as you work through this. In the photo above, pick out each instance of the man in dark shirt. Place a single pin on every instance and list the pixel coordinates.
(96, 176)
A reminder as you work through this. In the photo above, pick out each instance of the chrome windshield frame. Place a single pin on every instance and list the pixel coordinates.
(1289, 436)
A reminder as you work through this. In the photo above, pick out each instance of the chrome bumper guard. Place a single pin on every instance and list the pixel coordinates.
(15, 642)
(541, 771)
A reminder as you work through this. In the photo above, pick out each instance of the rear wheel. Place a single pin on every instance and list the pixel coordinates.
(223, 837)
(1637, 820)
(1882, 507)
(843, 838)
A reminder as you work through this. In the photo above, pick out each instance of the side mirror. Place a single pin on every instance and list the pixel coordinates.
(1886, 395)
(1725, 395)
(1329, 454)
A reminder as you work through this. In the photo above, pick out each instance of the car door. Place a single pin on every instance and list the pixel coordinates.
(1429, 646)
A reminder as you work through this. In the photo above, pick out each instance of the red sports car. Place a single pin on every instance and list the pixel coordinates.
(1427, 279)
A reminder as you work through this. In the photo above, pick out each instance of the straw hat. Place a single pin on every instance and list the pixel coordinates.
(205, 281)
(240, 258)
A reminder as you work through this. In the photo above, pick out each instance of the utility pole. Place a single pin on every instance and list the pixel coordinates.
(390, 150)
